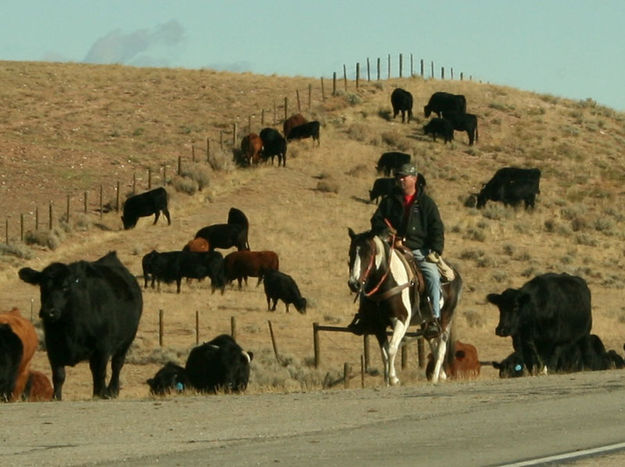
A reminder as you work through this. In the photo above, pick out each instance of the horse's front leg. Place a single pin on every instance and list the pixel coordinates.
(399, 330)
(383, 342)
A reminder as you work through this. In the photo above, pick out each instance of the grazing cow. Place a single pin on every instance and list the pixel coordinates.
(280, 286)
(251, 146)
(26, 333)
(11, 351)
(401, 100)
(511, 185)
(512, 366)
(305, 130)
(90, 311)
(463, 122)
(240, 265)
(38, 388)
(389, 162)
(171, 377)
(197, 245)
(381, 188)
(234, 233)
(440, 127)
(462, 364)
(292, 122)
(441, 101)
(547, 317)
(173, 266)
(220, 364)
(274, 145)
(145, 204)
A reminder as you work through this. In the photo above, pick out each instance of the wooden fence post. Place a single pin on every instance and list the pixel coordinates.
(37, 218)
(442, 72)
(50, 215)
(368, 70)
(432, 69)
(365, 345)
(273, 342)
(401, 65)
(233, 327)
(101, 201)
(179, 165)
(334, 83)
(323, 93)
(197, 327)
(422, 68)
(22, 227)
(389, 67)
(234, 135)
(134, 181)
(357, 75)
(160, 328)
(208, 149)
(286, 108)
(379, 68)
(299, 105)
(67, 210)
(362, 372)
(316, 344)
(421, 352)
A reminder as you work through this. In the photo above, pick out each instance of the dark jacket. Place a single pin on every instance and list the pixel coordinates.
(422, 229)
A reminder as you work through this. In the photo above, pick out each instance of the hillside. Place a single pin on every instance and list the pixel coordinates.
(68, 128)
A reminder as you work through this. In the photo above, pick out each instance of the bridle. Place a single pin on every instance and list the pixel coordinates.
(389, 293)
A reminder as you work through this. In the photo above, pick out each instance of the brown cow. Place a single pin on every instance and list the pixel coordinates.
(25, 330)
(291, 122)
(198, 245)
(464, 365)
(241, 264)
(38, 388)
(251, 146)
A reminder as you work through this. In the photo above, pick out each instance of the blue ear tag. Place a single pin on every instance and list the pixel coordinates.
(179, 386)
(517, 367)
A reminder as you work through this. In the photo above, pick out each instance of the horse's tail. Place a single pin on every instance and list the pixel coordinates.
(454, 298)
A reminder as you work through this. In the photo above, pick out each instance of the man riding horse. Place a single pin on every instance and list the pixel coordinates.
(413, 218)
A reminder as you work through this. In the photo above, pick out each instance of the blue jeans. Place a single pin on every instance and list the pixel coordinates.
(432, 280)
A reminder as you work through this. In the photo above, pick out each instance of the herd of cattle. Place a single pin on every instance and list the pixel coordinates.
(90, 311)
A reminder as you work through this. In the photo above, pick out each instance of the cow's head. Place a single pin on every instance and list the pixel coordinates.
(511, 367)
(510, 304)
(427, 111)
(129, 221)
(300, 305)
(57, 283)
(171, 377)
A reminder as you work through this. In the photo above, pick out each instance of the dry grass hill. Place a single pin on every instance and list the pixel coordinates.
(67, 128)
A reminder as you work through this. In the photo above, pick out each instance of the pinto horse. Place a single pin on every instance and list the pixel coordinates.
(388, 298)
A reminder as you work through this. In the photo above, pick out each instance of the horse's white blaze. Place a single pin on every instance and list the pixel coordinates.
(354, 273)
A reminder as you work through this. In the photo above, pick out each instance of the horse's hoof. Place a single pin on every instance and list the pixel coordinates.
(394, 381)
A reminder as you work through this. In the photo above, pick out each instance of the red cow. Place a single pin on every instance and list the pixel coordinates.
(241, 264)
(291, 122)
(38, 388)
(198, 245)
(25, 330)
(465, 364)
(251, 146)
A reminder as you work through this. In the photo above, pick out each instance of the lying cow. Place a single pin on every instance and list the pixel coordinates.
(172, 377)
(280, 286)
(439, 127)
(38, 388)
(547, 318)
(219, 365)
(389, 162)
(512, 366)
(463, 122)
(401, 100)
(145, 204)
(274, 145)
(18, 342)
(463, 365)
(442, 101)
(240, 265)
(511, 185)
(306, 130)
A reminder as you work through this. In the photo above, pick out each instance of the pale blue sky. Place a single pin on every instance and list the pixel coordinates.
(569, 48)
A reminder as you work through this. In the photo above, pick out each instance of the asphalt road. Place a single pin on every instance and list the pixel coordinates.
(453, 423)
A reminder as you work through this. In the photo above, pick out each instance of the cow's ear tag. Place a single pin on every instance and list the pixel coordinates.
(517, 367)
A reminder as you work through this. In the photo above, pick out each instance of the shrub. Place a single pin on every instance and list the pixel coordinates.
(17, 250)
(46, 238)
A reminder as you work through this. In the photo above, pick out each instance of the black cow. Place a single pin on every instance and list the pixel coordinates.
(381, 188)
(441, 101)
(389, 162)
(90, 311)
(305, 130)
(145, 204)
(280, 286)
(234, 233)
(173, 266)
(172, 377)
(440, 127)
(511, 185)
(512, 366)
(11, 351)
(546, 318)
(274, 145)
(463, 122)
(401, 100)
(220, 364)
